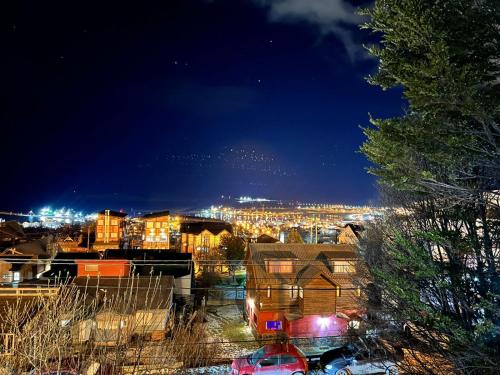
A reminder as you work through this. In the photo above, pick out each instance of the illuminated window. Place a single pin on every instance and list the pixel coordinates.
(164, 225)
(301, 292)
(100, 222)
(114, 235)
(279, 266)
(358, 292)
(343, 266)
(269, 291)
(99, 235)
(339, 291)
(149, 224)
(157, 225)
(91, 267)
(294, 291)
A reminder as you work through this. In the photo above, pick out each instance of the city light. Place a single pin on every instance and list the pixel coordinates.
(324, 322)
(251, 303)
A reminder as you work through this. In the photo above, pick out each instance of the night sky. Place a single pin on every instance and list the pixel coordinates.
(171, 104)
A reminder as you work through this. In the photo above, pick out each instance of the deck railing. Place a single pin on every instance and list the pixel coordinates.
(28, 292)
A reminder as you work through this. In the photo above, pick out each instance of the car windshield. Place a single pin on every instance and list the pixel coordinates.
(254, 358)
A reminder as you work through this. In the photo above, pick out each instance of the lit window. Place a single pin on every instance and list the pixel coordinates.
(16, 276)
(114, 222)
(269, 291)
(157, 225)
(343, 266)
(149, 224)
(339, 291)
(100, 222)
(279, 266)
(301, 292)
(358, 292)
(114, 235)
(164, 225)
(294, 291)
(91, 267)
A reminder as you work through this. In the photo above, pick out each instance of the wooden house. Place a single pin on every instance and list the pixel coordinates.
(350, 234)
(198, 237)
(202, 239)
(301, 290)
(156, 229)
(22, 263)
(109, 230)
(127, 306)
(69, 244)
(112, 328)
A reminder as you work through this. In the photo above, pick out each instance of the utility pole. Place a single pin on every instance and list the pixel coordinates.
(88, 237)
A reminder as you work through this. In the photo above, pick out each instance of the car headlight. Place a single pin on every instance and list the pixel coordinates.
(328, 367)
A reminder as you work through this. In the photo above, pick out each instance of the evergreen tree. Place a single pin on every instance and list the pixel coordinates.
(233, 248)
(436, 258)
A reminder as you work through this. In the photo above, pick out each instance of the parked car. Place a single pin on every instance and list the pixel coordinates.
(365, 358)
(273, 359)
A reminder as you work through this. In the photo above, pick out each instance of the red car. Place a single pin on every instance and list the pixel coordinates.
(273, 359)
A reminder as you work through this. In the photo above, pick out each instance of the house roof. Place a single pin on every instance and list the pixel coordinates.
(114, 213)
(311, 261)
(11, 229)
(128, 294)
(156, 254)
(156, 214)
(356, 228)
(72, 255)
(175, 264)
(35, 247)
(213, 227)
(265, 238)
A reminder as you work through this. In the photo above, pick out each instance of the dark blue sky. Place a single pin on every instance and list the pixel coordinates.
(171, 104)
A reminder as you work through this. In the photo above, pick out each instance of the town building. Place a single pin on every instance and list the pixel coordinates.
(64, 264)
(350, 234)
(301, 290)
(201, 237)
(160, 263)
(25, 261)
(109, 230)
(156, 227)
(129, 306)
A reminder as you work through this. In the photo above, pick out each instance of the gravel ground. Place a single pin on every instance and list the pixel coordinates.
(225, 324)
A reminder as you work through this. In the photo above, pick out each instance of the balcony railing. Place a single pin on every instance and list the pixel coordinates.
(28, 292)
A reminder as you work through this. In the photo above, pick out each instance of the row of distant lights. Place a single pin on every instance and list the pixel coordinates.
(64, 215)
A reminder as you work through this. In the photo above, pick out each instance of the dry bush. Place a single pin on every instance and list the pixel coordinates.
(91, 329)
